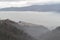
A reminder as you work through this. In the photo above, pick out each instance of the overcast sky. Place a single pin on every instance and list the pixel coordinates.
(20, 3)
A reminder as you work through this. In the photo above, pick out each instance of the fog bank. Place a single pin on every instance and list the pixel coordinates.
(48, 19)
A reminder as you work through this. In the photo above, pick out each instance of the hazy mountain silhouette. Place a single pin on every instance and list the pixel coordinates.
(52, 35)
(39, 8)
(33, 29)
(10, 30)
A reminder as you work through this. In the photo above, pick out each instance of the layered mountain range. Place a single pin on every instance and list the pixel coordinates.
(38, 8)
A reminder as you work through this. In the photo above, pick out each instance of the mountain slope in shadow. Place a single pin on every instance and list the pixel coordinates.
(10, 30)
(38, 8)
(52, 35)
(33, 29)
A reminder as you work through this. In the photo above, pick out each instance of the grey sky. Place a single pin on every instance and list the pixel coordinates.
(35, 0)
(20, 3)
(10, 0)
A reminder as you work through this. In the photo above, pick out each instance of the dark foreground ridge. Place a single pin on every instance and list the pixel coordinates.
(34, 30)
(53, 35)
(9, 30)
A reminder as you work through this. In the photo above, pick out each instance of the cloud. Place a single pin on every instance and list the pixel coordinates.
(21, 3)
(34, 1)
(10, 0)
(14, 4)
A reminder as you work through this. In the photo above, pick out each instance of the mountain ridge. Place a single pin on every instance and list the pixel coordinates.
(52, 35)
(38, 8)
(10, 30)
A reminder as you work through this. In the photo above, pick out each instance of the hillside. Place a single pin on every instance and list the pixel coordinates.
(10, 30)
(33, 29)
(52, 35)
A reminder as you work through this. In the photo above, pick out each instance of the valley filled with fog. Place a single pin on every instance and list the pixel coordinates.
(49, 19)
